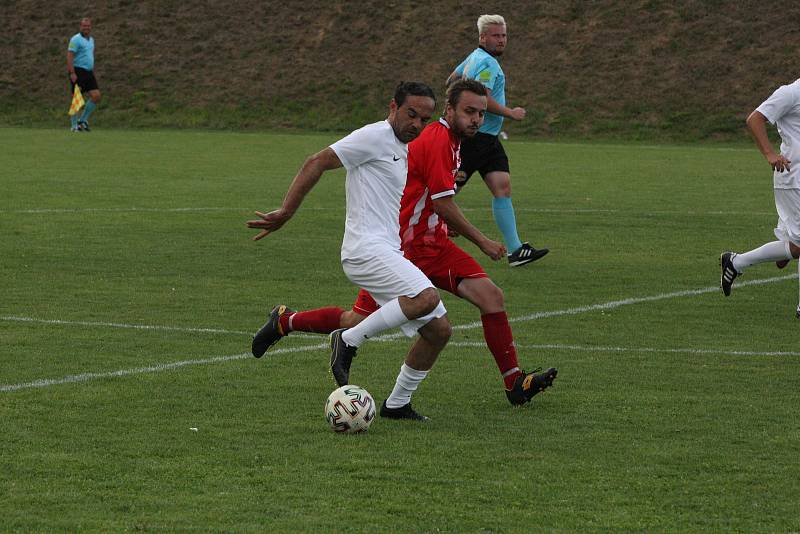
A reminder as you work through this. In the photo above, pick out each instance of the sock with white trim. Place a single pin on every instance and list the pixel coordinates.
(774, 251)
(405, 386)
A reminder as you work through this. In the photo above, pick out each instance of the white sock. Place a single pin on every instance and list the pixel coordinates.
(405, 386)
(774, 251)
(387, 316)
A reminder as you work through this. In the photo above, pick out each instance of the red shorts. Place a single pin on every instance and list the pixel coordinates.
(446, 270)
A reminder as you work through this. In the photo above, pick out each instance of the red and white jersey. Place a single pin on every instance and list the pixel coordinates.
(433, 161)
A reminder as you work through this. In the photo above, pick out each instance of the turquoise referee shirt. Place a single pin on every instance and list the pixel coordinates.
(83, 49)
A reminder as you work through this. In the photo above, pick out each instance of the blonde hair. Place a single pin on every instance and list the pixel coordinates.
(484, 21)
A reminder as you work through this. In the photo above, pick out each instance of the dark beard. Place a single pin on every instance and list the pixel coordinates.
(493, 54)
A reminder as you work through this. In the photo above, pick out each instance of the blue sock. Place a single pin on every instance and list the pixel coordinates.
(507, 223)
(87, 110)
(73, 121)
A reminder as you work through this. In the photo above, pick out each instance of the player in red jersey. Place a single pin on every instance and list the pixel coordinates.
(427, 210)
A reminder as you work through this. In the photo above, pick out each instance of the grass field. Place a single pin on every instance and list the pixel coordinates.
(128, 399)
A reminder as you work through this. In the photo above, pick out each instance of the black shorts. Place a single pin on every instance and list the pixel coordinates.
(483, 153)
(85, 80)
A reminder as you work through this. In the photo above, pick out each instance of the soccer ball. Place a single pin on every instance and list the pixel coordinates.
(350, 409)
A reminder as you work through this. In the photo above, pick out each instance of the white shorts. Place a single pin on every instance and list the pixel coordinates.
(787, 204)
(386, 274)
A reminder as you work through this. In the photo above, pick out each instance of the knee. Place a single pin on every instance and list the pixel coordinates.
(496, 296)
(499, 184)
(441, 330)
(486, 296)
(795, 250)
(96, 96)
(427, 301)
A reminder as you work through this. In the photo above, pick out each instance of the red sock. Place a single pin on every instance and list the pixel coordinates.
(319, 321)
(500, 341)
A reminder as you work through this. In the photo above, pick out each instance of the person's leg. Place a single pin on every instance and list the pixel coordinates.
(420, 359)
(392, 314)
(406, 297)
(499, 184)
(91, 105)
(787, 231)
(318, 321)
(519, 253)
(769, 252)
(488, 298)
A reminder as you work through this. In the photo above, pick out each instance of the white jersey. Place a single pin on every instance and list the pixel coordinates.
(377, 164)
(783, 110)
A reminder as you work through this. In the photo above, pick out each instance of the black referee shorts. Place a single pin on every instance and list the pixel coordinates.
(85, 80)
(483, 153)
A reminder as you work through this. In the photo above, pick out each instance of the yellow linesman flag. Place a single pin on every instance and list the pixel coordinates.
(77, 101)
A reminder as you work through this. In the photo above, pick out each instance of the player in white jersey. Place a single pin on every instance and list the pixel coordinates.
(376, 160)
(783, 110)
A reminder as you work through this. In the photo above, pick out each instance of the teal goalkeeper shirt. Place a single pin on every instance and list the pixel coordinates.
(83, 49)
(482, 66)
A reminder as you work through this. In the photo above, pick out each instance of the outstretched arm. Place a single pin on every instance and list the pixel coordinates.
(756, 123)
(306, 178)
(447, 209)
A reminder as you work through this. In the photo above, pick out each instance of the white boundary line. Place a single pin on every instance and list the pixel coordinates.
(14, 318)
(85, 377)
(531, 317)
(590, 348)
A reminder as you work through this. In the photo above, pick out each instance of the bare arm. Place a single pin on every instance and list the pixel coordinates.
(451, 79)
(306, 178)
(493, 106)
(756, 123)
(447, 209)
(71, 67)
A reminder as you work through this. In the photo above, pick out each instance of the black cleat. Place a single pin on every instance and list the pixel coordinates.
(271, 332)
(797, 312)
(84, 126)
(342, 356)
(526, 254)
(728, 272)
(529, 384)
(403, 412)
(781, 264)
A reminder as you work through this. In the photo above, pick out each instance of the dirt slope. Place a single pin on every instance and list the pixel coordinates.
(683, 70)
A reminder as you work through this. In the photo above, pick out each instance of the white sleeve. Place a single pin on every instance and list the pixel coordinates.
(357, 148)
(779, 103)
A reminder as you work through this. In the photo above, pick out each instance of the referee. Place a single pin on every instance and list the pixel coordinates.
(484, 152)
(80, 65)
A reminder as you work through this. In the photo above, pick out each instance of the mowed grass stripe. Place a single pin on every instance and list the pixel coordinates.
(87, 377)
(84, 377)
(531, 317)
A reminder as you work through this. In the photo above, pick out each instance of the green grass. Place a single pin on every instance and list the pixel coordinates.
(668, 415)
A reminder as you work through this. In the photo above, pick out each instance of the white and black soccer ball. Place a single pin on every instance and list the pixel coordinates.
(350, 409)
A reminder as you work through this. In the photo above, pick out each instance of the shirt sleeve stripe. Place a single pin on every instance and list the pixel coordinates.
(448, 193)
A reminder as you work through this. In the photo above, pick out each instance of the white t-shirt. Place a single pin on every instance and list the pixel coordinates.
(377, 165)
(783, 110)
